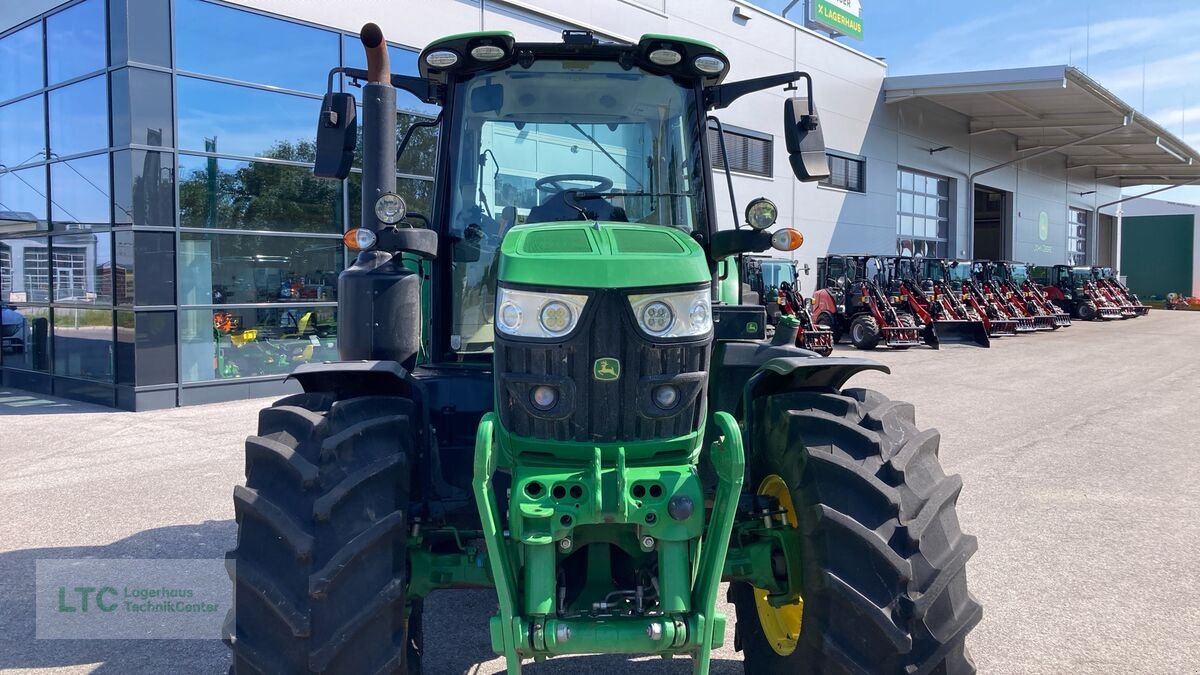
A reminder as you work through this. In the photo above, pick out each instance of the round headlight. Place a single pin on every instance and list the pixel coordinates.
(442, 58)
(666, 396)
(761, 213)
(709, 64)
(699, 315)
(555, 317)
(543, 397)
(390, 208)
(665, 57)
(657, 317)
(510, 317)
(487, 53)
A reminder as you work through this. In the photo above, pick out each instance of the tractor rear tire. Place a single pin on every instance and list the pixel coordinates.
(864, 332)
(320, 568)
(882, 554)
(1087, 311)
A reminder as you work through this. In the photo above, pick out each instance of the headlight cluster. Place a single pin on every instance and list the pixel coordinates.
(549, 315)
(531, 314)
(673, 315)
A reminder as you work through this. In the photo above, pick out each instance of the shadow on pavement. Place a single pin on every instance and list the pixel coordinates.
(21, 651)
(456, 622)
(18, 402)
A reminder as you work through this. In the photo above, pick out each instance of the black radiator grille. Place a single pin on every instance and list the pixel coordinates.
(601, 411)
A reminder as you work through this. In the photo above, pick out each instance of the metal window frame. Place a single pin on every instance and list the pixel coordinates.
(901, 169)
(730, 130)
(849, 157)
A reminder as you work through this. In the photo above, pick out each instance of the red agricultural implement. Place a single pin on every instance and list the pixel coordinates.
(850, 301)
(1130, 304)
(773, 283)
(985, 273)
(1014, 278)
(1074, 289)
(809, 334)
(946, 318)
(975, 296)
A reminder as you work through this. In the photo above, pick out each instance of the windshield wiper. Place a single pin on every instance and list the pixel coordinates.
(612, 159)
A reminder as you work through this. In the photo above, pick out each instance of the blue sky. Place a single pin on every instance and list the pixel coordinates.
(929, 36)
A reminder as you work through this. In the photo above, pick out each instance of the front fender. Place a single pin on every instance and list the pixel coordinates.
(797, 372)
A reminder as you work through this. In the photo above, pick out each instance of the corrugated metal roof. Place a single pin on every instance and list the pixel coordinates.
(1059, 107)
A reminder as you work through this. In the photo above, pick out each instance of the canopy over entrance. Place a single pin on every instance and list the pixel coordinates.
(1059, 109)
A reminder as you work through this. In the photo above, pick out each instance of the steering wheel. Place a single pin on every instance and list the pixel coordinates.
(553, 184)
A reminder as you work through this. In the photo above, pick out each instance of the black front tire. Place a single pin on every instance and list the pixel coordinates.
(1087, 311)
(320, 568)
(883, 556)
(864, 332)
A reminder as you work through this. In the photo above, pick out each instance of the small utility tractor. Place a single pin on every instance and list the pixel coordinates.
(934, 302)
(1119, 291)
(976, 299)
(984, 272)
(1074, 289)
(850, 300)
(1013, 277)
(587, 422)
(775, 284)
(1022, 275)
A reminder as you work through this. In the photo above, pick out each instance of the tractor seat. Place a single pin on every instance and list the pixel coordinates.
(556, 209)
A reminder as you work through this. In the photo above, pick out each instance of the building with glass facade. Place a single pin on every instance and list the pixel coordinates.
(163, 240)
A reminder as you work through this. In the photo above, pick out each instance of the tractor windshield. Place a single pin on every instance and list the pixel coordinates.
(562, 141)
(958, 274)
(1018, 273)
(576, 140)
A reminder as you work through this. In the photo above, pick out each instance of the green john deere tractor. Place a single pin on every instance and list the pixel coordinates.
(549, 387)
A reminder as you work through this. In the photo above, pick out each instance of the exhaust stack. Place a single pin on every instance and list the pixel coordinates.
(378, 125)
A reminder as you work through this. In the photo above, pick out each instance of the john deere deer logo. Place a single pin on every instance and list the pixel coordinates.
(606, 369)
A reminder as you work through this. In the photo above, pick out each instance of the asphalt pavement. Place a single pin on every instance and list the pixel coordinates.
(1079, 451)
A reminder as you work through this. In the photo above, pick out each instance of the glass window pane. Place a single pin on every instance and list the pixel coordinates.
(80, 192)
(23, 199)
(943, 187)
(931, 206)
(83, 343)
(28, 346)
(906, 225)
(227, 193)
(215, 40)
(906, 202)
(79, 117)
(143, 188)
(21, 62)
(234, 120)
(141, 32)
(420, 156)
(234, 268)
(75, 41)
(231, 343)
(81, 268)
(931, 228)
(417, 194)
(19, 267)
(943, 229)
(22, 132)
(145, 268)
(907, 180)
(146, 348)
(141, 105)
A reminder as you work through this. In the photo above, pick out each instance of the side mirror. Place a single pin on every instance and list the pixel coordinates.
(805, 142)
(337, 133)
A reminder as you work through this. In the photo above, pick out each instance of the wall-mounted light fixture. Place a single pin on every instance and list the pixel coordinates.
(1084, 194)
(741, 14)
(944, 147)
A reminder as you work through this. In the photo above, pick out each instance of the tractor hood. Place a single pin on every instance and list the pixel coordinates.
(601, 255)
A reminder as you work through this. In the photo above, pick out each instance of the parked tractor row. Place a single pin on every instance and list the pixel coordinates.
(903, 302)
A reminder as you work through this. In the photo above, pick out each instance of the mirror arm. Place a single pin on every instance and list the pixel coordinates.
(428, 92)
(423, 124)
(723, 95)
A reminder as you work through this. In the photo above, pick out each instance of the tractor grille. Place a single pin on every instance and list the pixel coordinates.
(597, 411)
